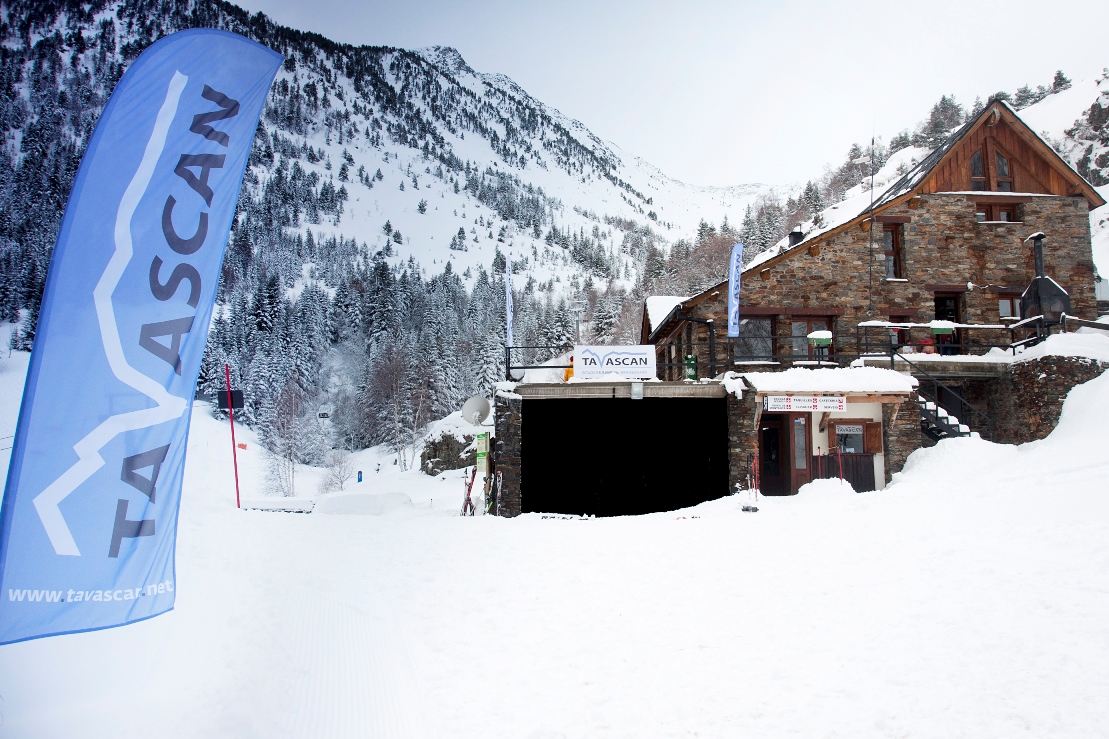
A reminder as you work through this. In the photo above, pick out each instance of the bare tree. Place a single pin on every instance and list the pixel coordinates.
(400, 400)
(340, 468)
(281, 437)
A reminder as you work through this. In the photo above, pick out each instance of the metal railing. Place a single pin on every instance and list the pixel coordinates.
(874, 337)
(963, 404)
(1068, 323)
(551, 350)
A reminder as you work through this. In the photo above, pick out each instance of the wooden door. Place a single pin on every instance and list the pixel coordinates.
(774, 477)
(800, 452)
(948, 308)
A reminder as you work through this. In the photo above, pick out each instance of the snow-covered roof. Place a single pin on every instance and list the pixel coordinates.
(829, 380)
(855, 202)
(905, 169)
(659, 307)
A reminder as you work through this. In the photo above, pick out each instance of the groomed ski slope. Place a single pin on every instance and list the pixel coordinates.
(967, 600)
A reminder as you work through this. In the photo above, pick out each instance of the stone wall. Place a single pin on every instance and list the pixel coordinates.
(742, 439)
(448, 452)
(506, 450)
(901, 433)
(1030, 398)
(943, 248)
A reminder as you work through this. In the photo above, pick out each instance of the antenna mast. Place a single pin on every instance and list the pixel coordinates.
(870, 307)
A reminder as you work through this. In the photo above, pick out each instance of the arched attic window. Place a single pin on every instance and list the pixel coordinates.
(1004, 176)
(977, 171)
(1003, 173)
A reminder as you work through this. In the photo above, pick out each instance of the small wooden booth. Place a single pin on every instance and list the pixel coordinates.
(859, 423)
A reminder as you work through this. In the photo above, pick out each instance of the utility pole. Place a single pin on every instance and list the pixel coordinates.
(870, 267)
(231, 414)
(871, 297)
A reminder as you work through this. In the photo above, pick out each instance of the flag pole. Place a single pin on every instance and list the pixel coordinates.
(231, 413)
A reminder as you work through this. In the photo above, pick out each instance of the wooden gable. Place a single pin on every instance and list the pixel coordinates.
(1033, 166)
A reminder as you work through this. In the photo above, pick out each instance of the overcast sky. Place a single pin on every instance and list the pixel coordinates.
(719, 93)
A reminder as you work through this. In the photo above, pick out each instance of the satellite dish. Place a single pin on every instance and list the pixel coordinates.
(475, 410)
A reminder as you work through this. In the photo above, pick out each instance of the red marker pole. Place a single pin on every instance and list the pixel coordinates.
(234, 450)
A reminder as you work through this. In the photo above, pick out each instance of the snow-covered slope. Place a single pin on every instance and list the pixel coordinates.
(967, 599)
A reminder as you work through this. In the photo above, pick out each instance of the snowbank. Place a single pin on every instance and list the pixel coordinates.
(829, 380)
(458, 427)
(1093, 344)
(968, 599)
(827, 487)
(364, 504)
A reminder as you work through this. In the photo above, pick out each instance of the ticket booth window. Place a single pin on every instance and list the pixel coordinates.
(849, 437)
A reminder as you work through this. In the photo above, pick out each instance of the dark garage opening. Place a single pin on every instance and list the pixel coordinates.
(619, 457)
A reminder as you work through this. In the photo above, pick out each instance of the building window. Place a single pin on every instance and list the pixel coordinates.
(978, 176)
(891, 236)
(800, 328)
(756, 339)
(977, 171)
(850, 436)
(988, 213)
(1004, 178)
(1008, 307)
(900, 336)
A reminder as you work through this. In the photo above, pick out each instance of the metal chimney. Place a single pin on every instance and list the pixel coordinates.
(796, 236)
(1037, 240)
(1044, 297)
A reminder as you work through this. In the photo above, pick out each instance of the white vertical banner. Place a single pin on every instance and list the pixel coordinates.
(508, 299)
(735, 272)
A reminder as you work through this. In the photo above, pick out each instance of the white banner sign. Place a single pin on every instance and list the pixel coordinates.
(800, 403)
(632, 362)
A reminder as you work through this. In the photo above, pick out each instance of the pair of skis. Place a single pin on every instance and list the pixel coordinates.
(468, 507)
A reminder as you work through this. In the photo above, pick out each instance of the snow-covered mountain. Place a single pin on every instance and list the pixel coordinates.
(459, 149)
(384, 191)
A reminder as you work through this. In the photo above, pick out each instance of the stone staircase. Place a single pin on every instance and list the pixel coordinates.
(937, 423)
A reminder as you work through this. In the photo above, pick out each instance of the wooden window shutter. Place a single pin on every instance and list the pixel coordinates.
(872, 438)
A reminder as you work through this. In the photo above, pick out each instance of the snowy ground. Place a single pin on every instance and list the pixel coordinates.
(967, 600)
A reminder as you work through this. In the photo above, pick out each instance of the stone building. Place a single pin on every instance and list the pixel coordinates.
(779, 406)
(613, 447)
(946, 241)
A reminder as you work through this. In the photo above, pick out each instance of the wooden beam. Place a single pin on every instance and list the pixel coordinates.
(946, 288)
(876, 398)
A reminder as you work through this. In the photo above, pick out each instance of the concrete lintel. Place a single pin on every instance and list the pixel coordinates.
(946, 369)
(580, 390)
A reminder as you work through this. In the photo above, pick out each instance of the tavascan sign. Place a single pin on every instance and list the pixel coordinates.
(634, 362)
(89, 518)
